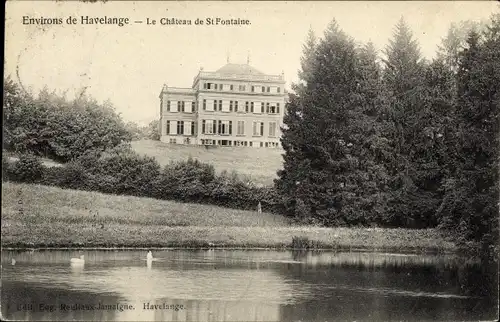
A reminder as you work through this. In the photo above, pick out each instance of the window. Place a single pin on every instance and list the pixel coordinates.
(173, 128)
(268, 89)
(225, 106)
(187, 128)
(167, 126)
(173, 140)
(215, 86)
(272, 129)
(246, 107)
(242, 88)
(277, 108)
(271, 109)
(168, 106)
(208, 127)
(204, 85)
(230, 106)
(193, 106)
(220, 105)
(193, 128)
(263, 89)
(174, 106)
(210, 106)
(183, 106)
(204, 105)
(231, 87)
(251, 107)
(225, 127)
(241, 128)
(215, 105)
(262, 107)
(253, 89)
(207, 142)
(236, 106)
(278, 89)
(180, 127)
(221, 86)
(267, 107)
(258, 128)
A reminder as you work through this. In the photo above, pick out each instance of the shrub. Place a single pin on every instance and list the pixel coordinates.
(123, 172)
(72, 176)
(186, 180)
(27, 169)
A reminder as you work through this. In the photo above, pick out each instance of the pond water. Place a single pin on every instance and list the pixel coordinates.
(239, 285)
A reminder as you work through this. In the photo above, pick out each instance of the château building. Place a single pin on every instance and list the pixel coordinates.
(237, 105)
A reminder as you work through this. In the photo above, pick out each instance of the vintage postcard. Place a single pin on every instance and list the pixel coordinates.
(250, 161)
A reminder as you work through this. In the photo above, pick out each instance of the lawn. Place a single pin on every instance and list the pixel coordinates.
(258, 164)
(41, 216)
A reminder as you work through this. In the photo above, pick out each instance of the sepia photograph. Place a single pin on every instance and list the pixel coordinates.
(250, 161)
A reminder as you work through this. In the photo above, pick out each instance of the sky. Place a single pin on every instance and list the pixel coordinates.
(128, 65)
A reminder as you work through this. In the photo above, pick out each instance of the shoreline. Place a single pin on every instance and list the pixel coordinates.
(44, 217)
(123, 236)
(203, 246)
(230, 248)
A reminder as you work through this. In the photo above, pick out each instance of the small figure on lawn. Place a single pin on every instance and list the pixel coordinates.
(259, 208)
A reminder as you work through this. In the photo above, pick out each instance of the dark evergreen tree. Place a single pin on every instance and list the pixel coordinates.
(330, 173)
(405, 84)
(470, 206)
(293, 138)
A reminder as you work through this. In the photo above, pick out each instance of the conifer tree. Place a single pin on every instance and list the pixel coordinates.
(470, 206)
(404, 82)
(324, 172)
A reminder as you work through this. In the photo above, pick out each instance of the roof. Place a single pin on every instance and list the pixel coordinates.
(238, 69)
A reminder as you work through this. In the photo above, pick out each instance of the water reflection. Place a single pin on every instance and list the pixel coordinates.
(237, 285)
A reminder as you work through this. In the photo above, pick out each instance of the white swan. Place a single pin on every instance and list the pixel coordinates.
(80, 260)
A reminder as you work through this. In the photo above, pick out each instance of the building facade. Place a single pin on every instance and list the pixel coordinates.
(236, 105)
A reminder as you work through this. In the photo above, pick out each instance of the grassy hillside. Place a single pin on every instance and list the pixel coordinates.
(54, 205)
(259, 164)
(41, 216)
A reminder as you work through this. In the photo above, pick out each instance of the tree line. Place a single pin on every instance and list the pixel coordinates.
(394, 139)
(61, 129)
